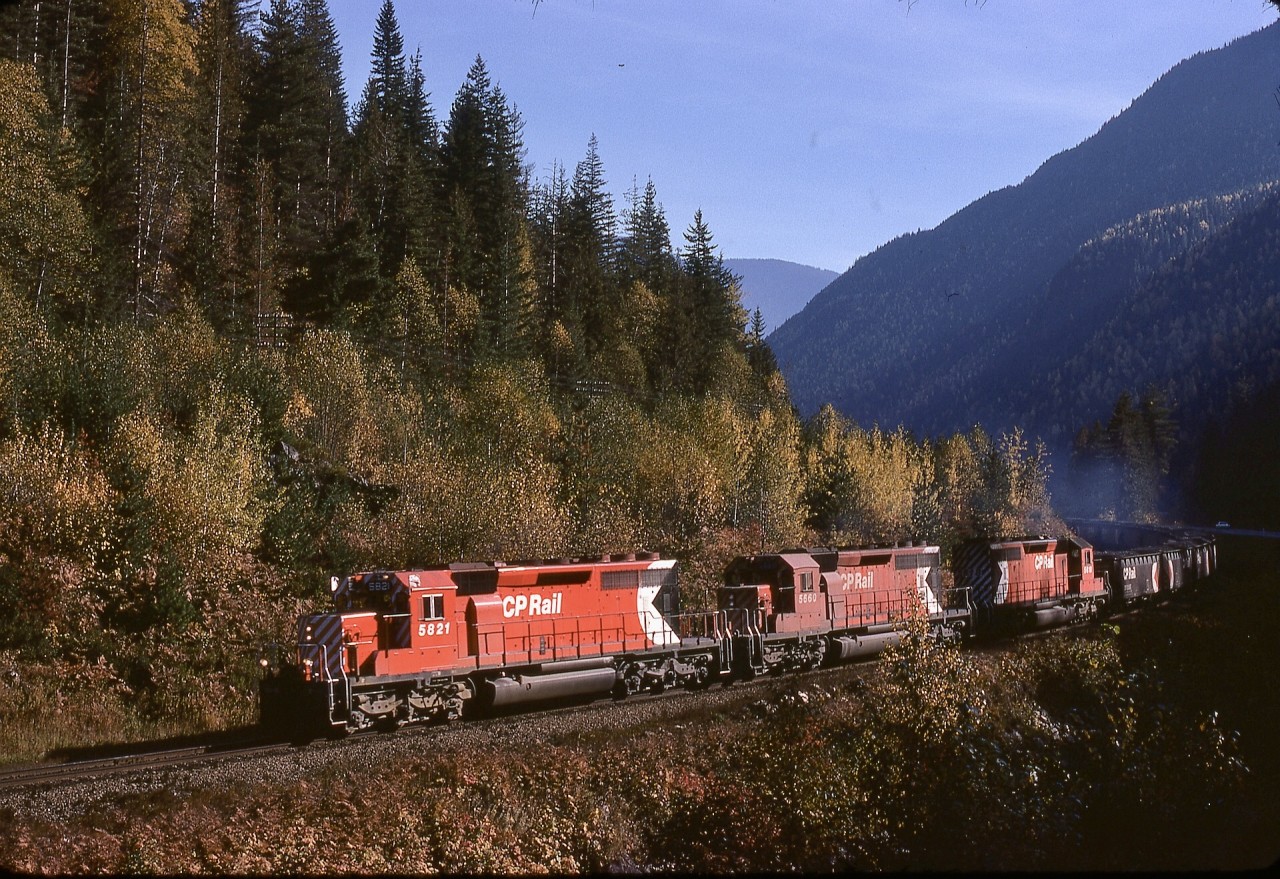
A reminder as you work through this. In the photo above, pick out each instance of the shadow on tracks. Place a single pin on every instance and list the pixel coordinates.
(210, 742)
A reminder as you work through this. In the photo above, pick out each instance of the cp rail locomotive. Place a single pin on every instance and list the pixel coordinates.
(412, 646)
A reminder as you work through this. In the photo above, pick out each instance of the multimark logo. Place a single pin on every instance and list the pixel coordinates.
(532, 605)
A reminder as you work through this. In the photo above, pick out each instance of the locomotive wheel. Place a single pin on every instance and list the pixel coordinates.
(701, 679)
(452, 711)
(387, 723)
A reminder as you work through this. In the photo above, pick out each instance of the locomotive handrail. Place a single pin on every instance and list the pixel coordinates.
(325, 677)
(708, 629)
(950, 592)
(855, 613)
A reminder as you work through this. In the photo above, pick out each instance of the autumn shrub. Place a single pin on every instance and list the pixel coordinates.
(768, 497)
(54, 703)
(193, 504)
(1057, 756)
(55, 513)
(107, 373)
(45, 239)
(516, 816)
(190, 363)
(450, 506)
(330, 407)
(205, 676)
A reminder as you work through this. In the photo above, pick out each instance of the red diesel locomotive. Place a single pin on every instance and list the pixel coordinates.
(1030, 583)
(824, 604)
(402, 646)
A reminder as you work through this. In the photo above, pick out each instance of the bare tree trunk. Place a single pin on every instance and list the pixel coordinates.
(138, 169)
(217, 151)
(35, 39)
(66, 66)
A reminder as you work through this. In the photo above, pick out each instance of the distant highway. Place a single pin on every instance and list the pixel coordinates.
(1236, 532)
(1171, 526)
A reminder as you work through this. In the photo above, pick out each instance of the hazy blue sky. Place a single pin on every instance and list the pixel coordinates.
(807, 130)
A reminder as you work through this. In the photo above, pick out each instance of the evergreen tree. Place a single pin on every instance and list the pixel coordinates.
(1119, 468)
(396, 169)
(463, 168)
(587, 291)
(548, 212)
(646, 249)
(213, 255)
(708, 301)
(389, 74)
(716, 309)
(510, 298)
(647, 259)
(485, 197)
(422, 178)
(329, 110)
(298, 128)
(759, 354)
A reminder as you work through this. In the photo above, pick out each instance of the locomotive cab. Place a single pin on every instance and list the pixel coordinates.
(763, 583)
(386, 623)
(1082, 576)
(787, 589)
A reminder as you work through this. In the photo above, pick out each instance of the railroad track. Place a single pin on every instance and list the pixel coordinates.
(29, 775)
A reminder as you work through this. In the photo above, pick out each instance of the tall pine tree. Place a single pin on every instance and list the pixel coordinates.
(298, 135)
(590, 250)
(485, 246)
(707, 303)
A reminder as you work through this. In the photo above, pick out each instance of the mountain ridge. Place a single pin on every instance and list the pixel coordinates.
(909, 333)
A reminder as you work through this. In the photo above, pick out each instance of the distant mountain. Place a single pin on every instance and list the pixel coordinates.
(1037, 303)
(777, 287)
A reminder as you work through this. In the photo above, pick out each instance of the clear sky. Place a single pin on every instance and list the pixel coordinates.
(805, 130)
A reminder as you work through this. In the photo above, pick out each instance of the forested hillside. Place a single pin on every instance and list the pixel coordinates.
(248, 342)
(1038, 304)
(1199, 319)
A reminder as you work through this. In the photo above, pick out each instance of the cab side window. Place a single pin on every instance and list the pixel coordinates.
(433, 607)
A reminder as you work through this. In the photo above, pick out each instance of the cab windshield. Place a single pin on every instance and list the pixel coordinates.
(367, 592)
